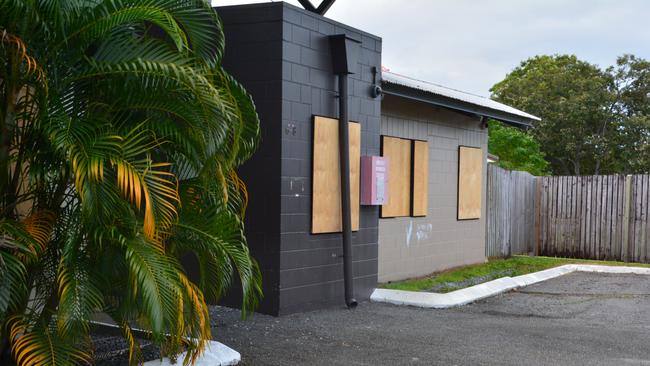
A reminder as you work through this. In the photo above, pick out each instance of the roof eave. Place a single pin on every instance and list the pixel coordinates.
(455, 104)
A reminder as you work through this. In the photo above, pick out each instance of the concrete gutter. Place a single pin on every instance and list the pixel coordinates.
(491, 288)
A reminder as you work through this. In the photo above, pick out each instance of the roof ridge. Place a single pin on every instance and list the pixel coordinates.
(436, 84)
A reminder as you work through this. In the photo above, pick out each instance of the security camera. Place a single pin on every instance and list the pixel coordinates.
(376, 91)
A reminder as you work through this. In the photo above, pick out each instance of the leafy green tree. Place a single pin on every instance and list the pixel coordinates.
(593, 121)
(632, 112)
(574, 100)
(632, 146)
(632, 85)
(516, 149)
(119, 137)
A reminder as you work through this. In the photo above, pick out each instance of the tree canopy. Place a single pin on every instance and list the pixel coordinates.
(594, 121)
(516, 149)
(632, 115)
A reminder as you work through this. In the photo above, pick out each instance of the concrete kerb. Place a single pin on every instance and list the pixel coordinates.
(215, 353)
(491, 288)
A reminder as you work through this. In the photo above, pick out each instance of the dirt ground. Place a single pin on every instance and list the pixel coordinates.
(576, 319)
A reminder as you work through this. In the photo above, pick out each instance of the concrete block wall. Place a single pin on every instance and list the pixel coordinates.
(281, 54)
(253, 56)
(416, 246)
(311, 267)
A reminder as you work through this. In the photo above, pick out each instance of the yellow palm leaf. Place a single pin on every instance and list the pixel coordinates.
(40, 347)
(39, 225)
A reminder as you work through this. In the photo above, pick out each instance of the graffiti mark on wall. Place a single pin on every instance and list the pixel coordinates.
(422, 232)
(409, 231)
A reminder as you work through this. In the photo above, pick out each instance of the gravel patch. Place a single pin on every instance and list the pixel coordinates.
(451, 286)
(114, 351)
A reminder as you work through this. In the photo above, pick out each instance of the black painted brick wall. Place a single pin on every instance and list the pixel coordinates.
(253, 56)
(288, 71)
(311, 269)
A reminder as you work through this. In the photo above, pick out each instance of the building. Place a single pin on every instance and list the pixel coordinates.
(282, 55)
(416, 244)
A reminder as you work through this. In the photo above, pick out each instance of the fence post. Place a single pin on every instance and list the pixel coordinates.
(627, 203)
(538, 213)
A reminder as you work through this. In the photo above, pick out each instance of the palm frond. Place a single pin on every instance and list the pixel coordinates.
(16, 44)
(39, 226)
(203, 28)
(79, 297)
(88, 159)
(125, 46)
(135, 353)
(13, 290)
(207, 98)
(245, 129)
(154, 275)
(108, 15)
(14, 236)
(146, 182)
(222, 232)
(195, 324)
(42, 347)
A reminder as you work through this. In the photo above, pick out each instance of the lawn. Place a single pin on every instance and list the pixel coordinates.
(461, 277)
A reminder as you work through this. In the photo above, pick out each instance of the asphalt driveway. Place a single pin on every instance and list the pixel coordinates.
(576, 319)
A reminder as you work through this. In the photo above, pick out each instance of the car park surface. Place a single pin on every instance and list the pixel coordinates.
(575, 319)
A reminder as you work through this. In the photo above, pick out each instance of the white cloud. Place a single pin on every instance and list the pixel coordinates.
(472, 44)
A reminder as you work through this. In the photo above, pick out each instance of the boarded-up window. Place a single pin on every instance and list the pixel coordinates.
(398, 152)
(470, 182)
(326, 179)
(420, 178)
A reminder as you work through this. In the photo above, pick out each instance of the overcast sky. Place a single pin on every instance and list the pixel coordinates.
(472, 44)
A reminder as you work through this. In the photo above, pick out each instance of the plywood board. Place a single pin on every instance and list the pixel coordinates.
(398, 152)
(355, 172)
(326, 178)
(420, 193)
(470, 182)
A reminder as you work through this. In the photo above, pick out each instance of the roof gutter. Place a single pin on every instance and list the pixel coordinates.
(454, 104)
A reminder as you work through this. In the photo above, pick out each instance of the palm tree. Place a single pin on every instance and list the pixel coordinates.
(119, 137)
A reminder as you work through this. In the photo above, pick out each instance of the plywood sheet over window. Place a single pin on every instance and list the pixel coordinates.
(419, 196)
(470, 182)
(398, 152)
(326, 179)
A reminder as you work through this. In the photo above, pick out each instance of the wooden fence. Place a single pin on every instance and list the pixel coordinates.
(595, 217)
(510, 212)
(591, 217)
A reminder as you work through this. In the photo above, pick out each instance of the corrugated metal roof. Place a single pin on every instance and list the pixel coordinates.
(405, 81)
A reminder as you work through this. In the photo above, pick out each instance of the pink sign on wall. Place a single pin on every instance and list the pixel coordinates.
(374, 180)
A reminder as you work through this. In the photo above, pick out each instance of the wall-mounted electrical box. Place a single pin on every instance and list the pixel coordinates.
(374, 180)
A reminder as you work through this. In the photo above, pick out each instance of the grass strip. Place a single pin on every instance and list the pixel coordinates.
(465, 276)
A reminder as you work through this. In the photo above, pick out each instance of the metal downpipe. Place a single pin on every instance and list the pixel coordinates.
(346, 218)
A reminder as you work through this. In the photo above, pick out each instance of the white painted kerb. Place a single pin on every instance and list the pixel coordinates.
(215, 354)
(487, 289)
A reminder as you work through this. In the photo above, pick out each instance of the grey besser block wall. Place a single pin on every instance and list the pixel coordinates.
(281, 54)
(416, 246)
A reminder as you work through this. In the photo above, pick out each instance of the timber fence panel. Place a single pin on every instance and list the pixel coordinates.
(511, 197)
(595, 217)
(591, 217)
